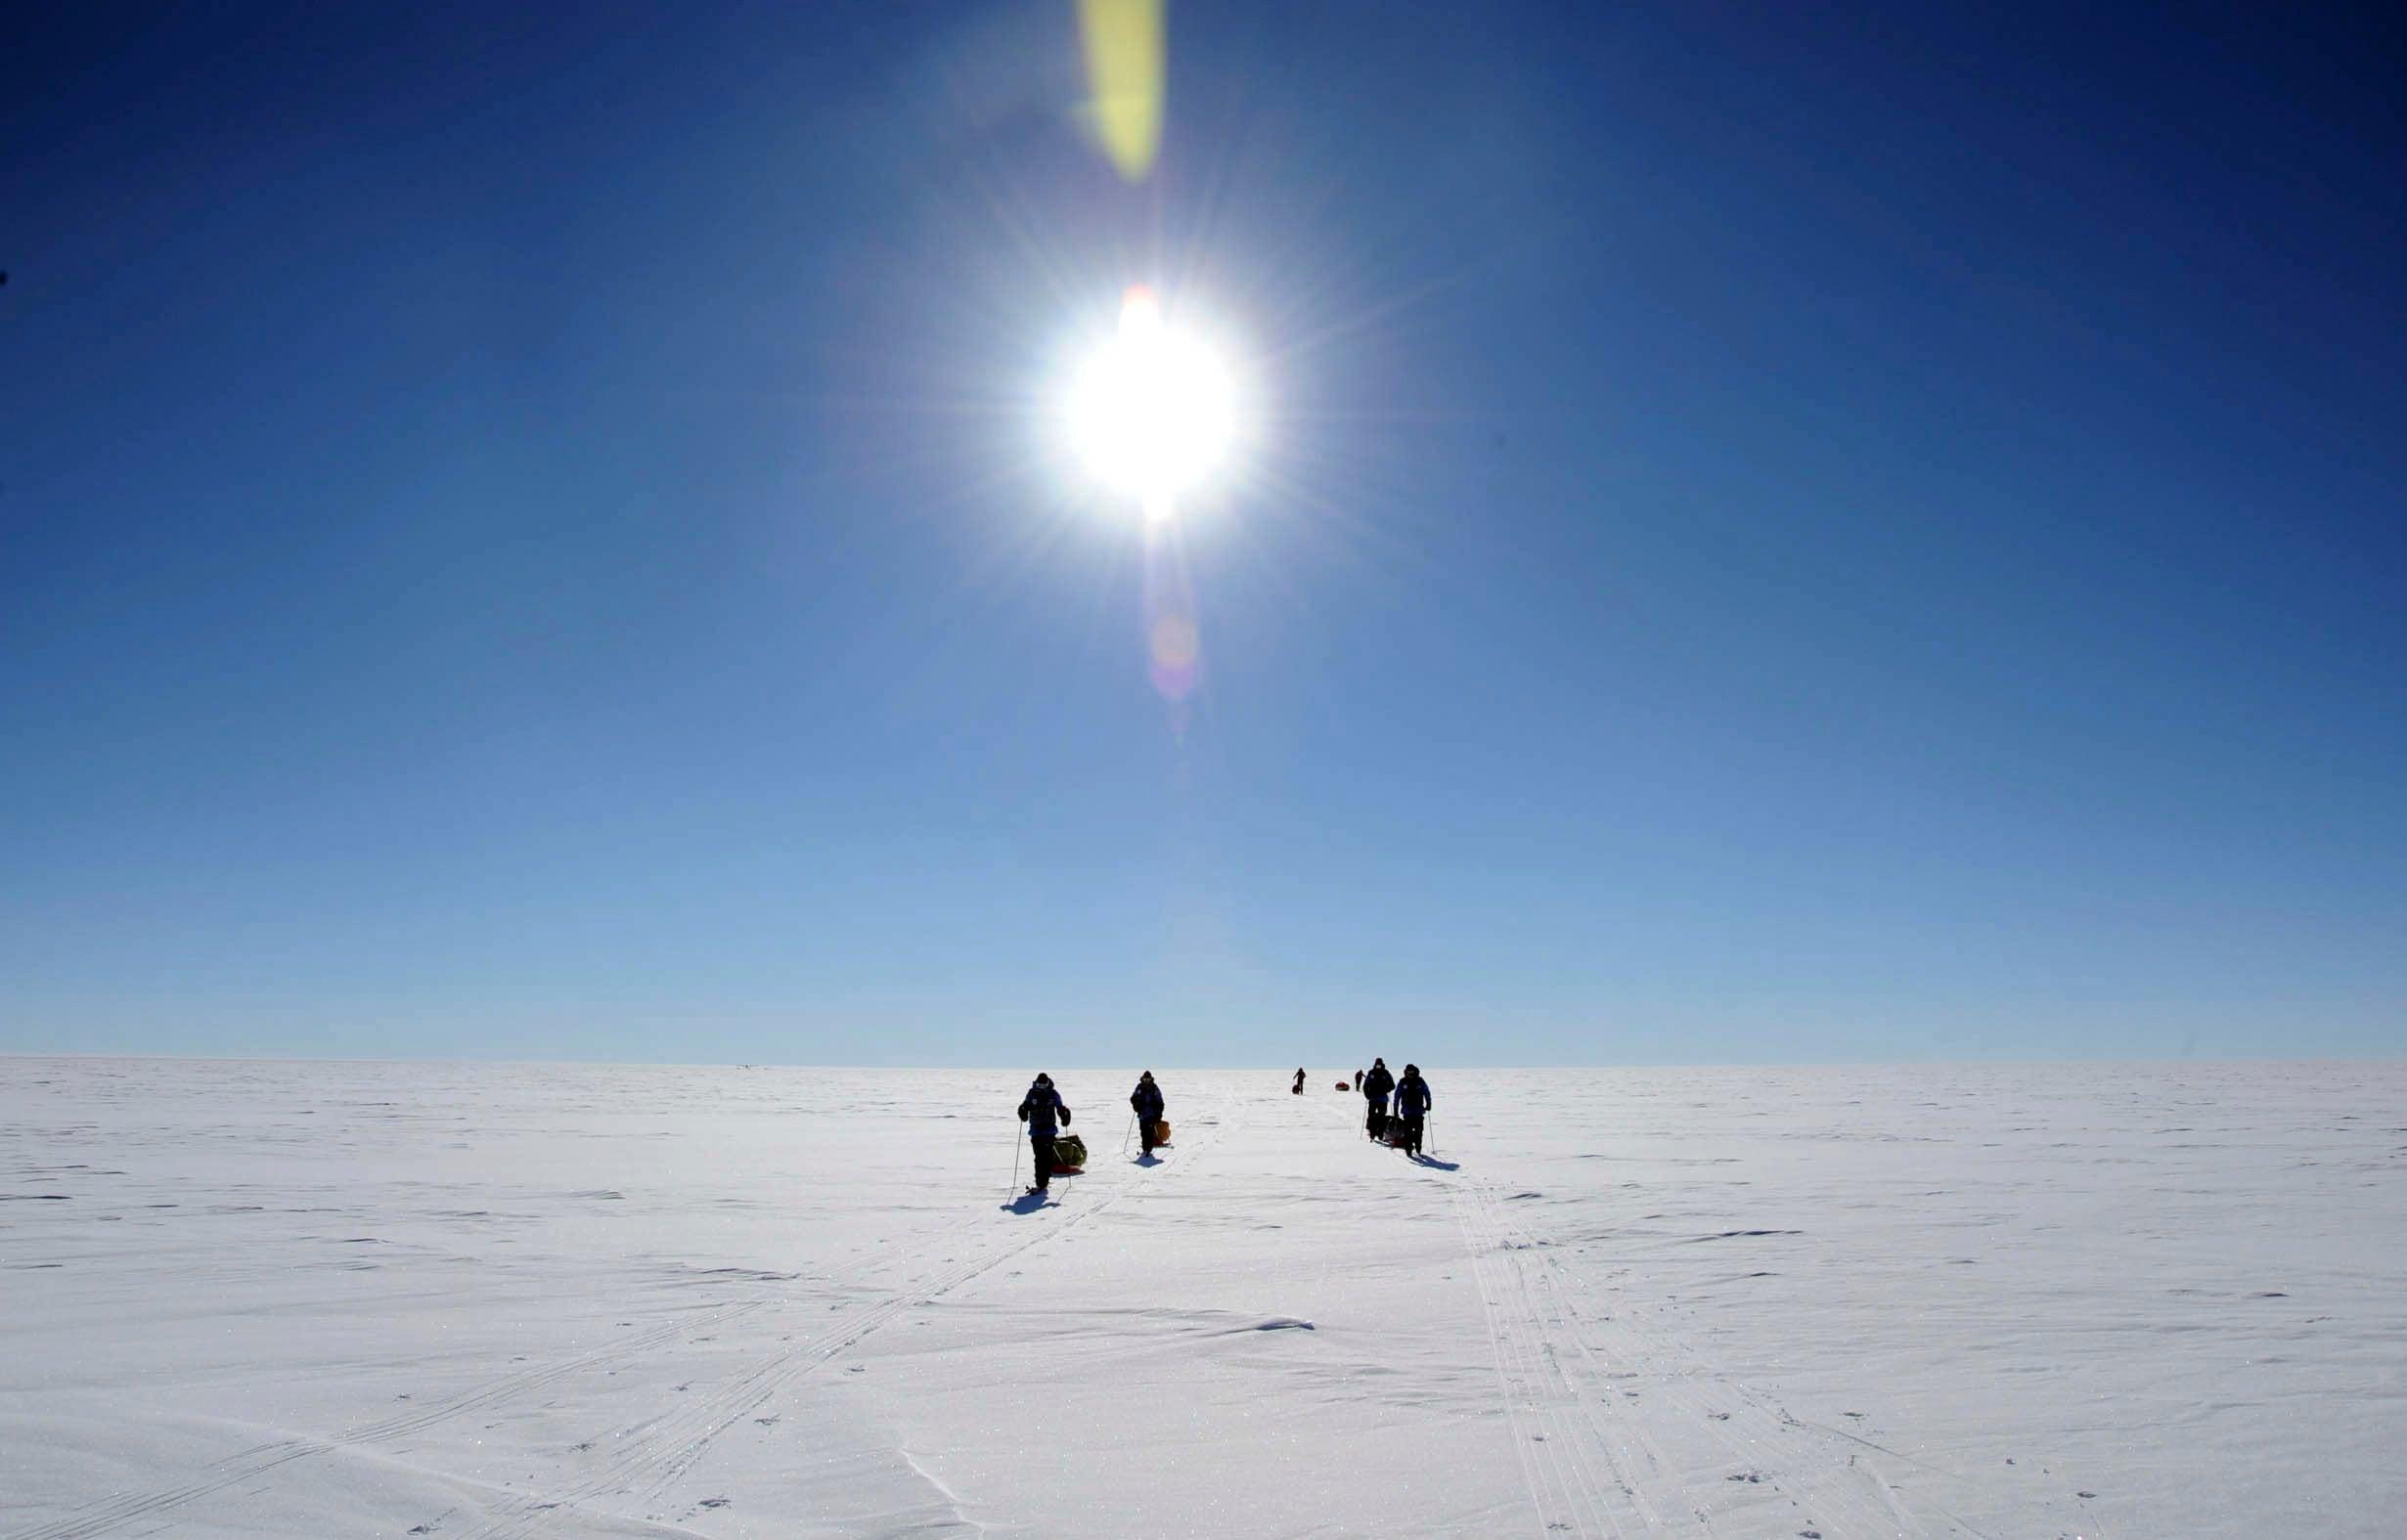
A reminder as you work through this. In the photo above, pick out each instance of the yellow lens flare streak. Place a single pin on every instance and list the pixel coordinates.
(1123, 41)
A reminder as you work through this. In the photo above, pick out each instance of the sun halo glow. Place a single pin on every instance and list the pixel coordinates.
(1154, 410)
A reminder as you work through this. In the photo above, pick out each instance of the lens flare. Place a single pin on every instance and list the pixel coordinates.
(1154, 410)
(1174, 640)
(1123, 41)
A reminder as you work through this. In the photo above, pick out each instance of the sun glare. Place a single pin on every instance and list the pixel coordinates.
(1154, 410)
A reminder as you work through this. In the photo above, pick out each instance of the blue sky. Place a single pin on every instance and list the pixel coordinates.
(1771, 536)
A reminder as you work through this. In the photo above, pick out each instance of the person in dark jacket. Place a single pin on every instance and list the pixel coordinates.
(1375, 1086)
(1358, 1080)
(1038, 1109)
(1148, 1100)
(1298, 1087)
(1411, 1106)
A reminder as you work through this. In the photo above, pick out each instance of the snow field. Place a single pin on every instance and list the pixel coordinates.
(459, 1299)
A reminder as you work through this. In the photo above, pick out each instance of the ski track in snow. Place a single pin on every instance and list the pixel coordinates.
(1734, 1433)
(1668, 1458)
(651, 1456)
(1600, 1464)
(1578, 1483)
(257, 1460)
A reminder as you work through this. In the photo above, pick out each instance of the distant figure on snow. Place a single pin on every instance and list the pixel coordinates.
(1412, 1107)
(1037, 1110)
(1148, 1100)
(1358, 1080)
(1299, 1081)
(1375, 1086)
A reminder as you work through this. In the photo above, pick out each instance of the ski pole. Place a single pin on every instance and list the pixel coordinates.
(1127, 1138)
(1015, 1163)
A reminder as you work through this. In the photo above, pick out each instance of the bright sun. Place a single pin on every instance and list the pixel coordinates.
(1154, 410)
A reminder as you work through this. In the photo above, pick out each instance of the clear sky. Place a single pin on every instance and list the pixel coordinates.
(1768, 532)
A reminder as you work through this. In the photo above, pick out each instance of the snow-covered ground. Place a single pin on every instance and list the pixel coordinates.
(252, 1298)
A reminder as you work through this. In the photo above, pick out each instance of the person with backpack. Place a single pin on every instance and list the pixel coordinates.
(1412, 1107)
(1375, 1086)
(1298, 1087)
(1038, 1109)
(1147, 1099)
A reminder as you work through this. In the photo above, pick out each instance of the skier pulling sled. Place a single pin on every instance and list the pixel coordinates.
(1411, 1111)
(1375, 1086)
(1045, 1114)
(1146, 1102)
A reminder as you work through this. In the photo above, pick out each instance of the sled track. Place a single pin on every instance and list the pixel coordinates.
(258, 1460)
(1828, 1471)
(1832, 1473)
(1579, 1484)
(648, 1461)
(652, 1458)
(1661, 1444)
(1674, 1456)
(1576, 1482)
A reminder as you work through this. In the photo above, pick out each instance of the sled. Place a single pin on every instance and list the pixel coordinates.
(1069, 1153)
(1161, 1132)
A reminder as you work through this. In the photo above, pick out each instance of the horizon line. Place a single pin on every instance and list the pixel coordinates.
(1634, 1064)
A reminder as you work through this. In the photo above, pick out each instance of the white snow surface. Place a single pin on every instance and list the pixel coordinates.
(364, 1299)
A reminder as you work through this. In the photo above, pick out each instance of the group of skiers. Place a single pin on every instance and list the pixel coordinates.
(1388, 1100)
(1403, 1102)
(1045, 1114)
